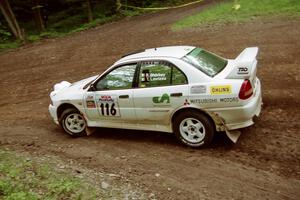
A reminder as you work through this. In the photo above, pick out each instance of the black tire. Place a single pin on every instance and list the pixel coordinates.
(193, 129)
(67, 114)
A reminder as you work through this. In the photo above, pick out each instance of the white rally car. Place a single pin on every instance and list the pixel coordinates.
(182, 89)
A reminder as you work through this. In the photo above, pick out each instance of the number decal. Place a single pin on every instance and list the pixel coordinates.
(108, 106)
(102, 108)
(113, 111)
(108, 109)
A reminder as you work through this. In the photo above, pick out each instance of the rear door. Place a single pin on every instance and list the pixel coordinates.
(162, 87)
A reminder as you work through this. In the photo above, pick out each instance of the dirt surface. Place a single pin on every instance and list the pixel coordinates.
(264, 164)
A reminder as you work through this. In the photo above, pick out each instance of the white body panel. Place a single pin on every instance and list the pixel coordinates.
(146, 108)
(156, 105)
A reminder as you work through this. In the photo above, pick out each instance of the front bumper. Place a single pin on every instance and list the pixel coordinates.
(53, 113)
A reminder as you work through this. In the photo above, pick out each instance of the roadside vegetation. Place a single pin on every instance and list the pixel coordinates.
(24, 178)
(38, 19)
(28, 177)
(240, 11)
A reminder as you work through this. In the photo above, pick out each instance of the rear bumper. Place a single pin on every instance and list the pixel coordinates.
(241, 117)
(53, 113)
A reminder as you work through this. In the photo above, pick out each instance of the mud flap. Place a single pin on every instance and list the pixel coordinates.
(233, 135)
(90, 130)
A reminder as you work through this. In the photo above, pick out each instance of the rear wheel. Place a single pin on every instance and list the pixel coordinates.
(193, 129)
(73, 122)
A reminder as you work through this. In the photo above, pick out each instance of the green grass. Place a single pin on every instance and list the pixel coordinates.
(9, 45)
(240, 10)
(27, 179)
(94, 23)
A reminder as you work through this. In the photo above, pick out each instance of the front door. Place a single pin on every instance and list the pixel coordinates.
(113, 98)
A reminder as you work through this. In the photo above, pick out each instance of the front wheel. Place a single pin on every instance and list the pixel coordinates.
(73, 123)
(193, 129)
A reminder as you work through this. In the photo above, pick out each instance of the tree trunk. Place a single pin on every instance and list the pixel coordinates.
(118, 6)
(11, 19)
(89, 10)
(38, 16)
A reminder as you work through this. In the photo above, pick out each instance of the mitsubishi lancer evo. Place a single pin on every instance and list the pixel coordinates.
(184, 90)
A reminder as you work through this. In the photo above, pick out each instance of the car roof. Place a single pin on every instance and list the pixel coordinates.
(168, 51)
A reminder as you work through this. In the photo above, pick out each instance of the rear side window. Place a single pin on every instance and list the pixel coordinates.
(178, 78)
(205, 61)
(160, 73)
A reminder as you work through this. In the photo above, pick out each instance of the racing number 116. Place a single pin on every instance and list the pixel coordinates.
(108, 109)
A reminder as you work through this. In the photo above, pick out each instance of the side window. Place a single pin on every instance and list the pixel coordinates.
(119, 78)
(160, 73)
(155, 73)
(178, 78)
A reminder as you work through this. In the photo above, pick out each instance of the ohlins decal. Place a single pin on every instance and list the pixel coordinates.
(220, 89)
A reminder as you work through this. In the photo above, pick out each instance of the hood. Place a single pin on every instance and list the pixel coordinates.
(83, 82)
(65, 86)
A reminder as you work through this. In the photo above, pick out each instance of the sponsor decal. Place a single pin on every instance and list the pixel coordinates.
(203, 101)
(186, 102)
(106, 98)
(198, 89)
(90, 104)
(242, 70)
(220, 89)
(89, 97)
(165, 98)
(215, 100)
(228, 100)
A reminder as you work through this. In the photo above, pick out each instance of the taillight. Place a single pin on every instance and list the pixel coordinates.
(246, 90)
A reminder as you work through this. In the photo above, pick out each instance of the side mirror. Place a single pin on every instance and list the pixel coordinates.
(92, 87)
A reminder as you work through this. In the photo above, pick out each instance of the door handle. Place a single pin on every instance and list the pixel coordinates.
(124, 96)
(176, 94)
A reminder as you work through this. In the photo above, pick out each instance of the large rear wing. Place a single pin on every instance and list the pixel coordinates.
(245, 64)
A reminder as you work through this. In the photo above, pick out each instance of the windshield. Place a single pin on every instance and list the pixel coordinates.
(205, 61)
